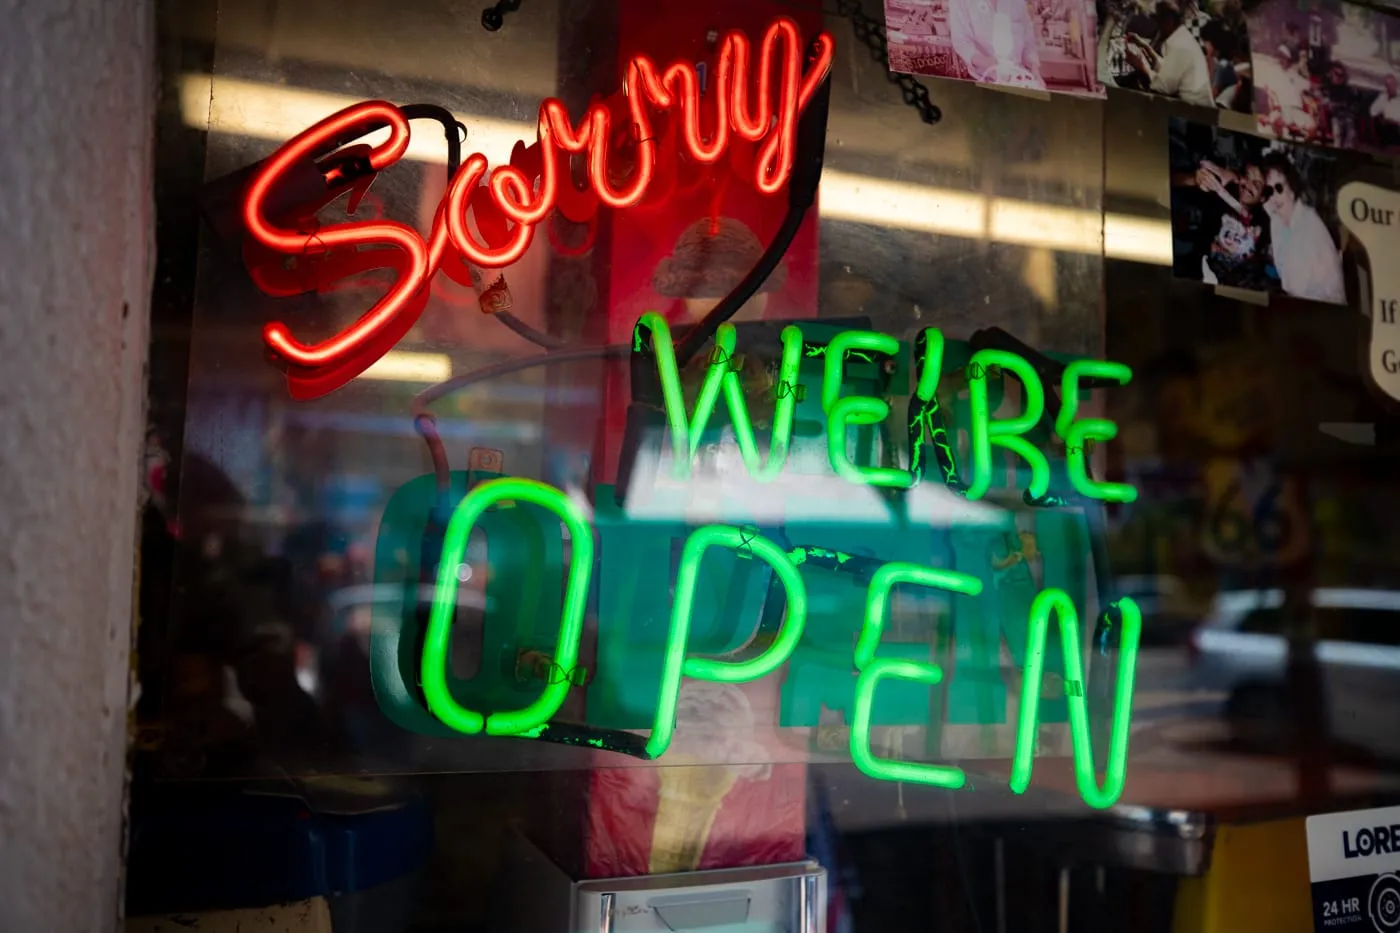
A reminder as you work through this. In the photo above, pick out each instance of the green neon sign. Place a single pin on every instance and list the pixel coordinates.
(717, 669)
(721, 378)
(873, 670)
(986, 432)
(690, 624)
(531, 720)
(1057, 602)
(653, 334)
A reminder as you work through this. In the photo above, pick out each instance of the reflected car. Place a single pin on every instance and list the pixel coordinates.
(1169, 614)
(1241, 649)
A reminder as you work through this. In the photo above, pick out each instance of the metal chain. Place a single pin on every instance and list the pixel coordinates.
(494, 17)
(871, 32)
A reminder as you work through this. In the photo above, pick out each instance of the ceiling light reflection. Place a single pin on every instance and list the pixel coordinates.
(277, 113)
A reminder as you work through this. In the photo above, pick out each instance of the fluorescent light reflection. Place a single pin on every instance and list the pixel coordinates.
(277, 113)
(410, 366)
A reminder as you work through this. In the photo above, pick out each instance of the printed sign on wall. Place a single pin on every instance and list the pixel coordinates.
(1371, 213)
(1354, 863)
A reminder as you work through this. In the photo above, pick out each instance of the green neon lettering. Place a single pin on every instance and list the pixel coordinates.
(859, 409)
(439, 633)
(685, 434)
(931, 345)
(1057, 601)
(721, 377)
(984, 432)
(784, 408)
(928, 434)
(873, 670)
(675, 663)
(1076, 434)
(883, 768)
(856, 409)
(834, 366)
(883, 582)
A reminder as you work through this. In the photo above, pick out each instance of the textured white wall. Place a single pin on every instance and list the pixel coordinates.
(76, 230)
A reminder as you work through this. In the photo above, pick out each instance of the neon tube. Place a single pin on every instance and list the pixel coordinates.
(438, 637)
(928, 434)
(527, 191)
(860, 409)
(882, 768)
(1057, 601)
(784, 409)
(878, 597)
(873, 670)
(312, 143)
(1076, 434)
(834, 364)
(675, 663)
(685, 434)
(984, 432)
(533, 720)
(722, 377)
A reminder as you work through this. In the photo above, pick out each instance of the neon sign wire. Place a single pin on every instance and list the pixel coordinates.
(750, 107)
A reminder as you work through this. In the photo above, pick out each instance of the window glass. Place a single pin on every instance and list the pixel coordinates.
(548, 579)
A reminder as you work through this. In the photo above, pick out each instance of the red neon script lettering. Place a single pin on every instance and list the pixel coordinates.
(515, 198)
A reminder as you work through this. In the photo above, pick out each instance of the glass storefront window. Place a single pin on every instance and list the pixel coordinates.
(499, 585)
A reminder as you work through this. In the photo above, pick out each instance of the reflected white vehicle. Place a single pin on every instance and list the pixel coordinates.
(1242, 650)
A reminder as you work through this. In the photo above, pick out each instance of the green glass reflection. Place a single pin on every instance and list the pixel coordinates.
(1058, 602)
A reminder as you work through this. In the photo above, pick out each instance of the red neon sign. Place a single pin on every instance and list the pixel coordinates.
(516, 197)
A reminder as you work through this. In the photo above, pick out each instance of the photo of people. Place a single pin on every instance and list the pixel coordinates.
(1193, 50)
(1044, 45)
(1254, 213)
(1325, 73)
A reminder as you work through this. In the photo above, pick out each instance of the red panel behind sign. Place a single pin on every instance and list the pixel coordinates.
(681, 253)
(679, 256)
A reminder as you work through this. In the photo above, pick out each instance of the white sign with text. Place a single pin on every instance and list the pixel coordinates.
(1354, 864)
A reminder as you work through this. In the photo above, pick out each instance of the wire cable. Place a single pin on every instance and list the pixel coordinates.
(418, 406)
(802, 194)
(453, 130)
(538, 337)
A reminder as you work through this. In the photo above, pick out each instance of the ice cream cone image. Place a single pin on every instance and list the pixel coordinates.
(713, 748)
(751, 310)
(690, 800)
(710, 257)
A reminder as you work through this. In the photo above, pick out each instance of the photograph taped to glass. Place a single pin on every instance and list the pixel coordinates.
(1196, 52)
(1249, 213)
(1326, 74)
(1027, 44)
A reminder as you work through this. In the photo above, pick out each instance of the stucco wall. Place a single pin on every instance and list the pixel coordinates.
(76, 231)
